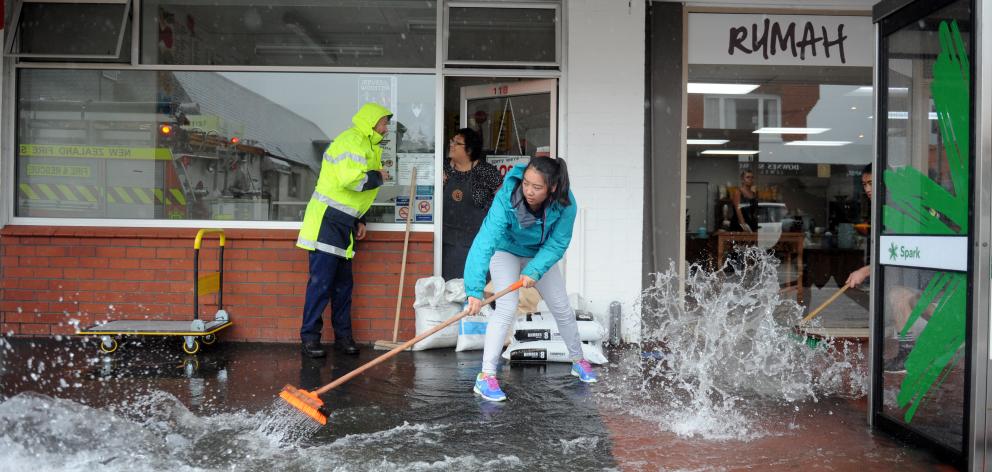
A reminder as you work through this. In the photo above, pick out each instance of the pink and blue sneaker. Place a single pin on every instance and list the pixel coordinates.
(583, 371)
(487, 387)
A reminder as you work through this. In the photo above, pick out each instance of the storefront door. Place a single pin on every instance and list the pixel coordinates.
(924, 223)
(517, 120)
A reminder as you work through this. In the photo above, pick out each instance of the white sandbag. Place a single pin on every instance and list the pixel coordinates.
(543, 327)
(431, 310)
(429, 291)
(454, 291)
(431, 316)
(551, 351)
(472, 331)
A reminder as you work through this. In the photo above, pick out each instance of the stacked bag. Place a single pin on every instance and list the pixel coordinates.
(533, 337)
(536, 339)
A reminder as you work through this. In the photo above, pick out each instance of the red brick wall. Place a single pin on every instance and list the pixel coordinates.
(53, 277)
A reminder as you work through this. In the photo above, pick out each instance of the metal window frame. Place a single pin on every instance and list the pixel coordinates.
(445, 21)
(890, 17)
(12, 39)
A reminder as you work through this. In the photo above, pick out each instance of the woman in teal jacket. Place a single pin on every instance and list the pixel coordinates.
(527, 230)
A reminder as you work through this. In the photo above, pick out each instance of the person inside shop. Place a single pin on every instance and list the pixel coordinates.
(470, 183)
(746, 218)
(901, 299)
(525, 233)
(350, 176)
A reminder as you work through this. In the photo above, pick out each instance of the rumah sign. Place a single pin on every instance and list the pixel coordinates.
(781, 40)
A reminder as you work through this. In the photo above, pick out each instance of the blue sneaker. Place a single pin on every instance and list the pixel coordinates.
(583, 371)
(487, 387)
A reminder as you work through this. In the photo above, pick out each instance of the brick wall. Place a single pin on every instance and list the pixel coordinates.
(54, 279)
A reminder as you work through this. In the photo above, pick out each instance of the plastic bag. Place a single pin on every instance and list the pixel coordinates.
(551, 351)
(429, 291)
(454, 291)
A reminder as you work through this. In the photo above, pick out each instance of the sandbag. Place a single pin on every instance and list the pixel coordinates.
(543, 327)
(528, 298)
(431, 316)
(472, 331)
(432, 309)
(551, 351)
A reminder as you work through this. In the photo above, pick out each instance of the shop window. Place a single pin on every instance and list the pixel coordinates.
(741, 112)
(383, 33)
(66, 30)
(204, 145)
(504, 36)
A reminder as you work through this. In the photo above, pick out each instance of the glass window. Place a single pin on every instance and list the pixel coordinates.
(78, 31)
(203, 145)
(924, 188)
(502, 35)
(383, 33)
(780, 167)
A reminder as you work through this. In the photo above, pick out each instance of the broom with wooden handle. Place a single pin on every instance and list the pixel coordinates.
(310, 404)
(383, 345)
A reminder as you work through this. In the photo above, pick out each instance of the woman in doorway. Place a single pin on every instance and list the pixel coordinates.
(469, 187)
(525, 233)
(746, 218)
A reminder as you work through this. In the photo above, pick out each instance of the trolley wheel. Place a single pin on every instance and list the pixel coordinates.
(209, 339)
(105, 348)
(191, 347)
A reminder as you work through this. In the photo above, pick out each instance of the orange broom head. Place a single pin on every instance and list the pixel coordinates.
(307, 402)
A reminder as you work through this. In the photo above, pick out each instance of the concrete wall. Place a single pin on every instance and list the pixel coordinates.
(604, 145)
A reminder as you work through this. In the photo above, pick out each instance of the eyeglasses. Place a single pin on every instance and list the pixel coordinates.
(452, 142)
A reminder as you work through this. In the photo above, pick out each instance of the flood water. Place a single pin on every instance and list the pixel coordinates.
(720, 382)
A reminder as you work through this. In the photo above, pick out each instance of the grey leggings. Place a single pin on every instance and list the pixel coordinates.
(505, 269)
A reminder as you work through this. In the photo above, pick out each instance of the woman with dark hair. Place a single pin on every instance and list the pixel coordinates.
(469, 186)
(525, 233)
(745, 216)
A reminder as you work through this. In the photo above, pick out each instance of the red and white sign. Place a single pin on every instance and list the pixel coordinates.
(505, 163)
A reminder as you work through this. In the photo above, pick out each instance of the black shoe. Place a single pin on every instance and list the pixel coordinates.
(313, 349)
(346, 345)
(897, 364)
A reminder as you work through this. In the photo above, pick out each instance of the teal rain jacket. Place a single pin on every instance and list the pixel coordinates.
(514, 230)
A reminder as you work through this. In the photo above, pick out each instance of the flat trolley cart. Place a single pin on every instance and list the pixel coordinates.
(195, 332)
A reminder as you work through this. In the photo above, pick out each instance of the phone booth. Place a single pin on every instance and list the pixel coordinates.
(930, 231)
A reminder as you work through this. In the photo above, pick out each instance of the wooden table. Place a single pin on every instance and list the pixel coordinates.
(789, 244)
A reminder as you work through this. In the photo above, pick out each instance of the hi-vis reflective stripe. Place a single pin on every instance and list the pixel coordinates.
(323, 247)
(335, 204)
(345, 155)
(93, 194)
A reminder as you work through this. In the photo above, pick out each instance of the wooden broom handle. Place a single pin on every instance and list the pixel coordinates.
(398, 349)
(824, 305)
(406, 244)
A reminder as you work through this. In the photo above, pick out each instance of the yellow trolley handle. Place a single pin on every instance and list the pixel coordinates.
(196, 270)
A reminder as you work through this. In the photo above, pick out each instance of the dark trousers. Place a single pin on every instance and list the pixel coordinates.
(330, 281)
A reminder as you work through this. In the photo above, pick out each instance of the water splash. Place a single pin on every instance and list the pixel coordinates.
(715, 354)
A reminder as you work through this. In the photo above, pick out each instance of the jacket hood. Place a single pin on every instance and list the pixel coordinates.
(367, 117)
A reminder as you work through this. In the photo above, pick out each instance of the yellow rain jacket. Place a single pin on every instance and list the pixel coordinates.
(348, 183)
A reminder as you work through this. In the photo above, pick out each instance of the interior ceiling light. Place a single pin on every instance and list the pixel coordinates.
(904, 115)
(791, 130)
(817, 143)
(713, 142)
(721, 89)
(866, 91)
(730, 152)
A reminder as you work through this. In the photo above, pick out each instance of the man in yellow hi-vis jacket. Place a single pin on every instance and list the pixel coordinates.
(350, 177)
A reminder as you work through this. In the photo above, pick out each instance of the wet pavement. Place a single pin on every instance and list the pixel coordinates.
(65, 406)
